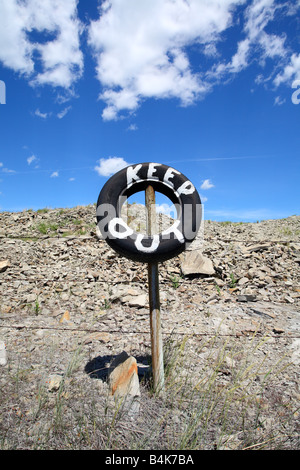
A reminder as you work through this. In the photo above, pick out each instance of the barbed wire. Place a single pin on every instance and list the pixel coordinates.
(169, 333)
(97, 281)
(85, 238)
(132, 282)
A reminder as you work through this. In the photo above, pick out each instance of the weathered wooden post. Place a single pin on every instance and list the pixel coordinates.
(152, 247)
(154, 302)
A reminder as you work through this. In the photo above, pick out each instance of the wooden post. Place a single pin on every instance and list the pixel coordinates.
(154, 303)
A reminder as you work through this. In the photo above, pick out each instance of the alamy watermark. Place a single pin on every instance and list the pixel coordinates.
(2, 92)
(296, 94)
(185, 228)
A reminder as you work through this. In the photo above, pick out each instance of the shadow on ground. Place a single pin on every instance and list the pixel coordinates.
(99, 367)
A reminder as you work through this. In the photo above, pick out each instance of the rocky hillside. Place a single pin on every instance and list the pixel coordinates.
(62, 286)
(230, 259)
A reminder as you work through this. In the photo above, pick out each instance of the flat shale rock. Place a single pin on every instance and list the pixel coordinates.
(4, 265)
(193, 262)
(124, 382)
(3, 356)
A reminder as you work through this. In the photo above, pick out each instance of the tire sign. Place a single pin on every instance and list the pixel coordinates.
(142, 247)
(150, 248)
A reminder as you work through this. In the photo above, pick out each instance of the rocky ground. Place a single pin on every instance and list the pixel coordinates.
(63, 289)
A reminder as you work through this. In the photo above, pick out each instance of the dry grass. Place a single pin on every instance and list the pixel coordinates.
(219, 395)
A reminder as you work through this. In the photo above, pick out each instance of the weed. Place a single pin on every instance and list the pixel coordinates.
(42, 228)
(82, 231)
(175, 281)
(207, 312)
(212, 400)
(42, 211)
(218, 289)
(37, 307)
(286, 231)
(233, 281)
(67, 234)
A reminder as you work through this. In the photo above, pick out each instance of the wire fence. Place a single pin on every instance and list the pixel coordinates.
(277, 336)
(96, 239)
(45, 280)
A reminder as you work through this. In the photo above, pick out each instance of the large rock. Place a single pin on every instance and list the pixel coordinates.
(193, 262)
(127, 295)
(124, 384)
(4, 265)
(54, 382)
(136, 300)
(3, 358)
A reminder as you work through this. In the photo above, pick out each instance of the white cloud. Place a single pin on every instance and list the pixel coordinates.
(133, 127)
(109, 166)
(31, 159)
(1, 164)
(291, 71)
(64, 112)
(279, 101)
(140, 49)
(60, 59)
(272, 45)
(258, 15)
(166, 209)
(210, 50)
(71, 179)
(54, 174)
(207, 184)
(257, 45)
(41, 115)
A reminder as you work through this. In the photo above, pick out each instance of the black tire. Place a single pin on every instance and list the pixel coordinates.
(165, 180)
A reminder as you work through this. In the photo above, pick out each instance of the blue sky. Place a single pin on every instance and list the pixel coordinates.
(210, 88)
